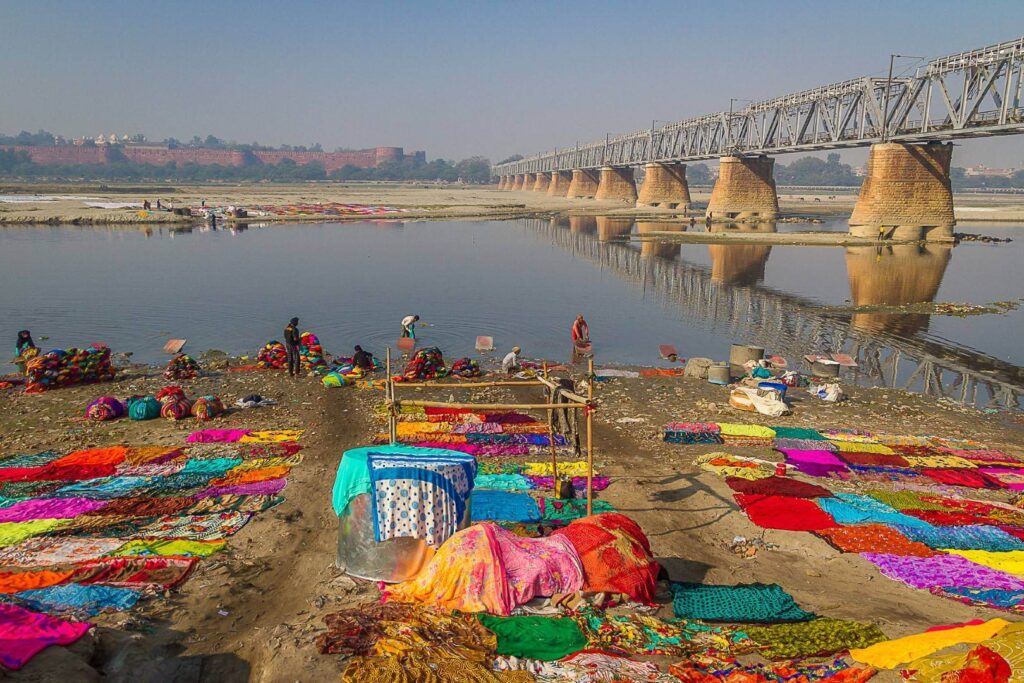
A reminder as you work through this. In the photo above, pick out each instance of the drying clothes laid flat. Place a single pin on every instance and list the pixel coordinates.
(73, 598)
(105, 487)
(777, 486)
(272, 436)
(543, 638)
(890, 654)
(692, 433)
(785, 512)
(15, 532)
(615, 554)
(861, 447)
(560, 512)
(810, 638)
(419, 496)
(873, 459)
(962, 477)
(565, 469)
(217, 435)
(999, 658)
(943, 570)
(749, 603)
(267, 487)
(797, 433)
(506, 506)
(579, 484)
(853, 508)
(940, 461)
(586, 666)
(977, 537)
(814, 463)
(806, 445)
(24, 633)
(873, 538)
(709, 668)
(506, 482)
(196, 527)
(43, 551)
(391, 670)
(486, 568)
(1011, 562)
(755, 431)
(641, 634)
(177, 547)
(905, 500)
(727, 465)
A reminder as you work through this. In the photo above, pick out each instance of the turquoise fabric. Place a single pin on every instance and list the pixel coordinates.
(853, 508)
(755, 603)
(353, 477)
(505, 482)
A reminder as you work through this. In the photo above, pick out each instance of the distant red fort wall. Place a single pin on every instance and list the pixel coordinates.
(159, 156)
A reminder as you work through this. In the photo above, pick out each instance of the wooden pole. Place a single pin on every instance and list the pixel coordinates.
(494, 406)
(551, 443)
(466, 385)
(590, 437)
(390, 396)
(568, 394)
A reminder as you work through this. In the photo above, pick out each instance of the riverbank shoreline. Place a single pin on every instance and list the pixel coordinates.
(406, 202)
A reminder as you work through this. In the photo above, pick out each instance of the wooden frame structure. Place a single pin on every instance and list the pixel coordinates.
(575, 402)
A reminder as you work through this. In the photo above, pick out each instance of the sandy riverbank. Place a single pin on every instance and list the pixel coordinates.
(252, 612)
(416, 202)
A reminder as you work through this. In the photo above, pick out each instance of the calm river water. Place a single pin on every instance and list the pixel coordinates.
(520, 281)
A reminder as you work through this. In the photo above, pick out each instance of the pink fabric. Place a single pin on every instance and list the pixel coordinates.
(814, 463)
(23, 634)
(267, 487)
(539, 567)
(49, 508)
(1010, 477)
(217, 435)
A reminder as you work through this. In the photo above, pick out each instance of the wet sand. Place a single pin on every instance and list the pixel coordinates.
(252, 612)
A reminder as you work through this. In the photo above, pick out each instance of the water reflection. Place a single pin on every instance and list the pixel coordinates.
(586, 225)
(654, 249)
(610, 228)
(894, 276)
(740, 264)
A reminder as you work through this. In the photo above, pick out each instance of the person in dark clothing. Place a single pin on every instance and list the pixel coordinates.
(291, 344)
(362, 359)
(24, 342)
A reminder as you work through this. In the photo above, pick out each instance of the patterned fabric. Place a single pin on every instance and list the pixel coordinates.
(873, 538)
(852, 508)
(813, 638)
(196, 527)
(43, 551)
(750, 603)
(73, 598)
(419, 496)
(942, 570)
(23, 634)
(976, 537)
(727, 465)
(892, 653)
(616, 555)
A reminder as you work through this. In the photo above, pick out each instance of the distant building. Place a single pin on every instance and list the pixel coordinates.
(982, 171)
(861, 171)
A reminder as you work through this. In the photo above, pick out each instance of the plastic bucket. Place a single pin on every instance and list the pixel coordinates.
(777, 386)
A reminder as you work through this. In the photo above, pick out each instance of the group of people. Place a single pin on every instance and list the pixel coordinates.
(292, 340)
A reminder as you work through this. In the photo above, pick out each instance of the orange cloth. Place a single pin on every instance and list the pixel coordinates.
(616, 555)
(234, 478)
(14, 582)
(111, 455)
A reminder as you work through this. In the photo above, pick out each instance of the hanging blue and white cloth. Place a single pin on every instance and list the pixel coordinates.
(419, 496)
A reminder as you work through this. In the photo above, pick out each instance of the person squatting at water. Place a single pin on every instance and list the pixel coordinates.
(362, 359)
(510, 363)
(23, 344)
(580, 337)
(409, 326)
(291, 344)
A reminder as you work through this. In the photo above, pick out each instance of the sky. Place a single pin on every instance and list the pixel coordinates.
(454, 78)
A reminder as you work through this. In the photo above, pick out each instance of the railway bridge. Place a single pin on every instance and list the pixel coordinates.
(908, 121)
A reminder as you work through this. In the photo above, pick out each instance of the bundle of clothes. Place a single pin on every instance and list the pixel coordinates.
(105, 408)
(273, 356)
(182, 366)
(311, 354)
(170, 402)
(65, 367)
(426, 364)
(176, 405)
(207, 408)
(465, 367)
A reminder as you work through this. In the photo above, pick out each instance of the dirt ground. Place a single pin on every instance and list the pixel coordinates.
(419, 201)
(252, 612)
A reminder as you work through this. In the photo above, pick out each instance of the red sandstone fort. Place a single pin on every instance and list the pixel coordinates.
(158, 155)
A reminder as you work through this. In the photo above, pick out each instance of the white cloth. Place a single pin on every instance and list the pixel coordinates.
(510, 362)
(408, 321)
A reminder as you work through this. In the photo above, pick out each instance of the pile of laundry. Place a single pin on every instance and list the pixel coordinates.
(426, 364)
(273, 356)
(182, 366)
(311, 354)
(99, 529)
(66, 367)
(466, 368)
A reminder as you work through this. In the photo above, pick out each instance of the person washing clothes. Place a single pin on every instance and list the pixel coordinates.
(580, 337)
(409, 326)
(510, 364)
(23, 344)
(291, 344)
(362, 359)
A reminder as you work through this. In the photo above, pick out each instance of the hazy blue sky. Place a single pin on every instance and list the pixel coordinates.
(453, 78)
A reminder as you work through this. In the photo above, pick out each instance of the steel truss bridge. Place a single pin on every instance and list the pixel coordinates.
(970, 94)
(777, 320)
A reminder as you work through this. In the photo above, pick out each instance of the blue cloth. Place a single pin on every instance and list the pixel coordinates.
(419, 496)
(853, 508)
(971, 537)
(503, 506)
(506, 482)
(31, 459)
(104, 488)
(212, 467)
(86, 600)
(996, 597)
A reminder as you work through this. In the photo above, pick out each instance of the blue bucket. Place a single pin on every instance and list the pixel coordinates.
(778, 386)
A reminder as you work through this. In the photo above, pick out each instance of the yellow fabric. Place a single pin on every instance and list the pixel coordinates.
(272, 436)
(901, 440)
(890, 654)
(16, 532)
(171, 547)
(577, 468)
(415, 428)
(732, 429)
(1010, 561)
(726, 465)
(851, 437)
(265, 463)
(1008, 644)
(861, 447)
(939, 461)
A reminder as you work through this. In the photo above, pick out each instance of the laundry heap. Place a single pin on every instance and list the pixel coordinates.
(99, 529)
(61, 368)
(182, 366)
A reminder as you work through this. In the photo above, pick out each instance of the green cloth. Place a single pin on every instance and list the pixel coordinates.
(797, 433)
(353, 477)
(543, 638)
(565, 511)
(506, 482)
(145, 408)
(755, 603)
(904, 500)
(812, 638)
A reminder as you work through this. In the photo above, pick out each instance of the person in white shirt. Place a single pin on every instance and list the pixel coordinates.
(511, 362)
(409, 326)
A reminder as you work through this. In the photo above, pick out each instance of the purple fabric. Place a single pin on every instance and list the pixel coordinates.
(578, 483)
(49, 508)
(217, 435)
(941, 571)
(814, 463)
(268, 487)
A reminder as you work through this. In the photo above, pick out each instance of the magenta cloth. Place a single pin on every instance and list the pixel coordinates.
(268, 487)
(1010, 477)
(218, 435)
(814, 463)
(578, 483)
(49, 508)
(942, 571)
(24, 634)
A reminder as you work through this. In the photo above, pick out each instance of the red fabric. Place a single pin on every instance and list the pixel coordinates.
(963, 477)
(777, 486)
(947, 627)
(983, 665)
(1013, 531)
(615, 554)
(135, 572)
(950, 518)
(874, 459)
(20, 473)
(113, 455)
(54, 472)
(784, 512)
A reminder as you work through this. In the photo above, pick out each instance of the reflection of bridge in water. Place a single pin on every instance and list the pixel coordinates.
(728, 300)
